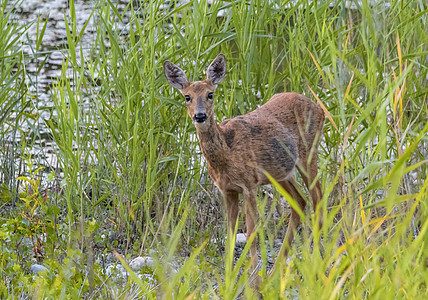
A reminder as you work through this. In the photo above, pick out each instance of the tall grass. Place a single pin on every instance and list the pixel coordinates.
(131, 177)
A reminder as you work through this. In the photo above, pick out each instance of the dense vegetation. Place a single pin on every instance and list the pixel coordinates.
(130, 179)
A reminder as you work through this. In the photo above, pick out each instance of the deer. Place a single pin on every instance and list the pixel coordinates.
(276, 138)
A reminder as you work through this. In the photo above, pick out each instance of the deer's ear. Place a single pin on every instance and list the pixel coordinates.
(217, 69)
(175, 76)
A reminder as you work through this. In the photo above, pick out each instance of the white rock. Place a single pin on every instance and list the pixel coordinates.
(113, 268)
(141, 262)
(36, 268)
(241, 239)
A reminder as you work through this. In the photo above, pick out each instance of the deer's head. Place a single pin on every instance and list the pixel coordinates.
(199, 95)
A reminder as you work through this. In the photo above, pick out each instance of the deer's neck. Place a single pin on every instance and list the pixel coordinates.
(213, 144)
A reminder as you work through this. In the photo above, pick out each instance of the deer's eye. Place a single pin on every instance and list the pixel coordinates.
(187, 98)
(210, 96)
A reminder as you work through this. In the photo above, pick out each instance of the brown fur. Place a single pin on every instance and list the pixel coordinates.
(281, 135)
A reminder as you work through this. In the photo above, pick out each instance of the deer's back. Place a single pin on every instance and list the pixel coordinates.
(293, 110)
(268, 138)
(301, 117)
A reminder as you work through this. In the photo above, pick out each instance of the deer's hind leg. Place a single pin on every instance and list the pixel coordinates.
(293, 224)
(309, 175)
(310, 127)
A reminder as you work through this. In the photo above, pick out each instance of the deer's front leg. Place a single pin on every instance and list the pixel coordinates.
(251, 216)
(231, 199)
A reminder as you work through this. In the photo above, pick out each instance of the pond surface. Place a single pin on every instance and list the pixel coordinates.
(44, 67)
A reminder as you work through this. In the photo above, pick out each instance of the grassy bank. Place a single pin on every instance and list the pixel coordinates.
(130, 179)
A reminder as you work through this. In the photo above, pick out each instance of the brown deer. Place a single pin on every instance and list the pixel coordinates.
(276, 138)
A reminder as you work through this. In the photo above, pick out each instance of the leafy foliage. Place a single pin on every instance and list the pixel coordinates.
(130, 176)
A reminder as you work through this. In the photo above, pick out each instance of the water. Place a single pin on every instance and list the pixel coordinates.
(40, 78)
(44, 66)
(54, 40)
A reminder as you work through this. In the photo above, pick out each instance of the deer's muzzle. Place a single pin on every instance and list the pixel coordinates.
(200, 117)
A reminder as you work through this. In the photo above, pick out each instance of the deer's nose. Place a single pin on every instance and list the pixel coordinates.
(200, 117)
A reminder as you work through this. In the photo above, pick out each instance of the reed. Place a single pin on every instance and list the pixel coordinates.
(130, 176)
